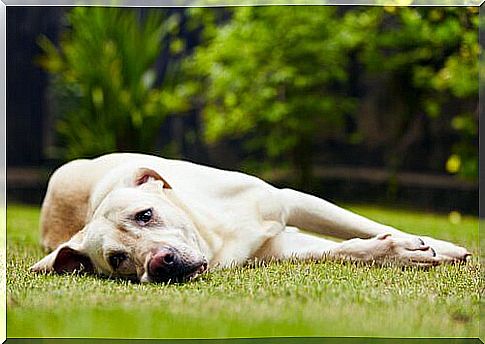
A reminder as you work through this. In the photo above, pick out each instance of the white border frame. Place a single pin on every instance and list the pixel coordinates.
(3, 174)
(231, 3)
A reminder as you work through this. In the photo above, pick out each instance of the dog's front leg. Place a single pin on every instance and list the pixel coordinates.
(317, 215)
(292, 243)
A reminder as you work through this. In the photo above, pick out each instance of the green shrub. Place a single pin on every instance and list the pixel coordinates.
(281, 79)
(105, 83)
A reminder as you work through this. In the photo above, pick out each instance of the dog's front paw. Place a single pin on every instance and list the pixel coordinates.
(446, 251)
(387, 247)
(407, 250)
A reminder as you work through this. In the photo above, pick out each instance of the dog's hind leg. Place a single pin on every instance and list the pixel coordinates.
(317, 215)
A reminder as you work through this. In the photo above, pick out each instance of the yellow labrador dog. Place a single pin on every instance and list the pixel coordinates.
(157, 220)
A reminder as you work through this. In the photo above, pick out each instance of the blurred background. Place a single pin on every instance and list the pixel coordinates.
(375, 105)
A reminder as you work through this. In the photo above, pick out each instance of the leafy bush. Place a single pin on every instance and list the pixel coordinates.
(433, 54)
(282, 78)
(277, 80)
(105, 82)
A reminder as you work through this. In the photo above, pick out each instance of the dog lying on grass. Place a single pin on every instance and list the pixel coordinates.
(156, 220)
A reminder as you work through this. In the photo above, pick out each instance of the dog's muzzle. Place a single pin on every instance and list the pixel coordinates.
(168, 265)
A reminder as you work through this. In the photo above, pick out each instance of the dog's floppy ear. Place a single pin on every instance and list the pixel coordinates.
(64, 259)
(144, 174)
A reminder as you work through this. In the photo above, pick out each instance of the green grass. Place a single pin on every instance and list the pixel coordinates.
(287, 299)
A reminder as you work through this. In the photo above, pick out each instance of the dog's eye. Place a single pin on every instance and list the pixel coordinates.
(116, 259)
(143, 217)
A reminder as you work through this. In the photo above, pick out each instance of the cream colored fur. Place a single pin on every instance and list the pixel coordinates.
(219, 216)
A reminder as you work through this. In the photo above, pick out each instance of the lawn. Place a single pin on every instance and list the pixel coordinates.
(287, 299)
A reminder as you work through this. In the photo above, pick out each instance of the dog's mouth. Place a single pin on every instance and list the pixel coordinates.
(188, 274)
(196, 272)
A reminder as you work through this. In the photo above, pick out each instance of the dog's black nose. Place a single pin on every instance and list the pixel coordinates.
(169, 265)
(165, 264)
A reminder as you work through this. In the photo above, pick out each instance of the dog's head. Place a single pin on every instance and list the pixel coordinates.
(135, 231)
